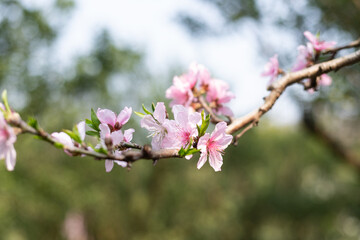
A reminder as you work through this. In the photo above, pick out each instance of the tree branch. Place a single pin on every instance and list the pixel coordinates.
(277, 88)
(138, 152)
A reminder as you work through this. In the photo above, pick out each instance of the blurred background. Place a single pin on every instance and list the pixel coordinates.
(296, 176)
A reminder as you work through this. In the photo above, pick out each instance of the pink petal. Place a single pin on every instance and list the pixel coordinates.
(121, 163)
(128, 134)
(202, 160)
(63, 138)
(10, 158)
(224, 142)
(81, 128)
(219, 130)
(202, 143)
(149, 123)
(109, 164)
(325, 80)
(310, 37)
(215, 160)
(160, 112)
(124, 116)
(104, 130)
(106, 116)
(117, 137)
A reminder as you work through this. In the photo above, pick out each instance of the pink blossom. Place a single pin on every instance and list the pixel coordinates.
(304, 57)
(180, 91)
(185, 125)
(116, 137)
(159, 127)
(198, 74)
(272, 69)
(114, 122)
(325, 80)
(67, 141)
(7, 140)
(213, 146)
(317, 44)
(218, 93)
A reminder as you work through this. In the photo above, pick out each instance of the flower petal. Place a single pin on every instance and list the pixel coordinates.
(124, 116)
(104, 130)
(121, 163)
(106, 116)
(128, 134)
(117, 137)
(81, 128)
(109, 164)
(202, 160)
(215, 160)
(10, 158)
(160, 112)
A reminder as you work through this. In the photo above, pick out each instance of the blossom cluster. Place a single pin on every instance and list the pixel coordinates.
(307, 56)
(186, 133)
(187, 89)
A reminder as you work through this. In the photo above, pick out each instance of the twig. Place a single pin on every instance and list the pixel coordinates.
(139, 152)
(353, 44)
(214, 119)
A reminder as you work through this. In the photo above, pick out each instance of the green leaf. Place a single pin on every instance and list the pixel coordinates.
(88, 121)
(95, 121)
(182, 152)
(101, 150)
(5, 100)
(139, 114)
(153, 107)
(93, 133)
(192, 151)
(145, 110)
(58, 145)
(33, 123)
(205, 124)
(73, 135)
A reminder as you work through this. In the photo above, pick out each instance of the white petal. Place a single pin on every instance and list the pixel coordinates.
(10, 158)
(160, 112)
(109, 164)
(215, 160)
(121, 163)
(202, 160)
(81, 128)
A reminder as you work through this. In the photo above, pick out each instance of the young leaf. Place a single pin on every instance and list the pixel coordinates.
(33, 123)
(5, 100)
(93, 133)
(101, 150)
(58, 145)
(153, 107)
(145, 110)
(88, 122)
(73, 135)
(192, 151)
(95, 121)
(139, 114)
(182, 152)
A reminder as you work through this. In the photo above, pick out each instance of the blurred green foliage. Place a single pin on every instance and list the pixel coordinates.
(279, 183)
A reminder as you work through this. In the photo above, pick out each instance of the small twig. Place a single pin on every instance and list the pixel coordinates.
(239, 135)
(214, 119)
(353, 44)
